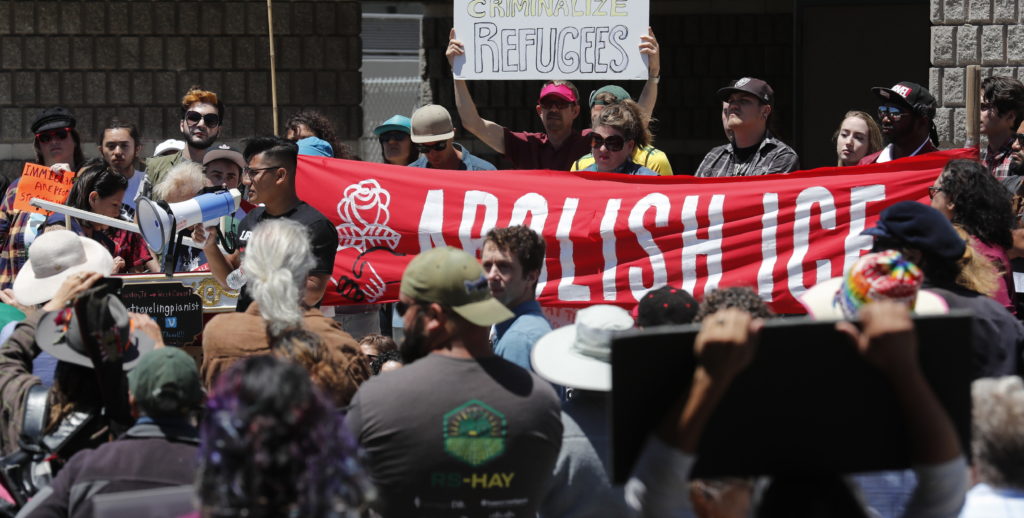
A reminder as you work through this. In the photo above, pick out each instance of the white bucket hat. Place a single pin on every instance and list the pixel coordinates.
(579, 355)
(53, 257)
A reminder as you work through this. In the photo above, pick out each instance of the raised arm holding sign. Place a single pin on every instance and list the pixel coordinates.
(557, 106)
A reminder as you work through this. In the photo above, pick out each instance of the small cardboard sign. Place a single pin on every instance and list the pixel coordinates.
(175, 308)
(39, 181)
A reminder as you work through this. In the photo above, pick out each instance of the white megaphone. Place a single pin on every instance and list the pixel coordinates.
(160, 222)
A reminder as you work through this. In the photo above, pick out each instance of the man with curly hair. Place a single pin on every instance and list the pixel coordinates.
(513, 258)
(739, 297)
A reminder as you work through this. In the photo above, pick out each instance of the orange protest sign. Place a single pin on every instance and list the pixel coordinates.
(38, 181)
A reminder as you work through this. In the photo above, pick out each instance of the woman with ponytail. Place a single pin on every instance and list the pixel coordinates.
(276, 265)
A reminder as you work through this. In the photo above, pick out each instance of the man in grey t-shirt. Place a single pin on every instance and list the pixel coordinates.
(458, 431)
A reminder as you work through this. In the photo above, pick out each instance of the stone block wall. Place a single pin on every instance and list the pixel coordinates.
(135, 59)
(989, 33)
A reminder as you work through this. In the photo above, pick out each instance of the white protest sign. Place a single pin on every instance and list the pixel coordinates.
(551, 39)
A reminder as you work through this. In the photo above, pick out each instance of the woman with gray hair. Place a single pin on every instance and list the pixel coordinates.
(182, 183)
(997, 443)
(277, 262)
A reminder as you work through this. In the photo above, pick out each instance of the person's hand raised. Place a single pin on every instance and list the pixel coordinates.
(455, 48)
(649, 45)
(727, 342)
(71, 288)
(886, 339)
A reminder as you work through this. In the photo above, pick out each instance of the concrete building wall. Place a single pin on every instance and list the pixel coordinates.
(135, 59)
(989, 33)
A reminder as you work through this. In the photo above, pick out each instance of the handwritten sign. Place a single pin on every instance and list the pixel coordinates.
(544, 39)
(175, 308)
(39, 181)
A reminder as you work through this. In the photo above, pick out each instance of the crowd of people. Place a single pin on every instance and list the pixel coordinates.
(478, 406)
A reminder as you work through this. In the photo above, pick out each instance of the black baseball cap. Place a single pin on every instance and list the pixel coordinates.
(666, 305)
(749, 85)
(905, 93)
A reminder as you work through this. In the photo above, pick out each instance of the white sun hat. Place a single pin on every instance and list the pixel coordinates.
(53, 257)
(579, 355)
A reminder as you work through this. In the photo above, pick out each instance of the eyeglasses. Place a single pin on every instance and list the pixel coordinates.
(893, 112)
(426, 148)
(251, 172)
(396, 136)
(59, 134)
(613, 143)
(212, 120)
(553, 105)
(933, 191)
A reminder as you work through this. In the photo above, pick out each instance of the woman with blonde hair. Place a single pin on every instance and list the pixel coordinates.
(858, 136)
(977, 273)
(618, 130)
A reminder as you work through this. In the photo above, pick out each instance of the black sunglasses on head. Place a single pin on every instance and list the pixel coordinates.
(613, 143)
(212, 120)
(59, 134)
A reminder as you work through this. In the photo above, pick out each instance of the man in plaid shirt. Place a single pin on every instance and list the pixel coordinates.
(1002, 110)
(747, 109)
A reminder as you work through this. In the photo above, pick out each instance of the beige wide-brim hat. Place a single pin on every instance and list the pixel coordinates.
(579, 355)
(820, 301)
(53, 257)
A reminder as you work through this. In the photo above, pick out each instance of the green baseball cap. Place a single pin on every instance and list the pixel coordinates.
(618, 92)
(166, 382)
(453, 278)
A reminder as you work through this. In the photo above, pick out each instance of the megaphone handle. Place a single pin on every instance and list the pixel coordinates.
(223, 240)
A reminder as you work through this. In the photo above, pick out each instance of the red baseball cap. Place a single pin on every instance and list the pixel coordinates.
(560, 91)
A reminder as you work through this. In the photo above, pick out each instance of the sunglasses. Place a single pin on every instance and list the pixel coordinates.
(1020, 139)
(426, 148)
(551, 105)
(893, 112)
(933, 191)
(59, 134)
(251, 172)
(395, 136)
(613, 143)
(212, 120)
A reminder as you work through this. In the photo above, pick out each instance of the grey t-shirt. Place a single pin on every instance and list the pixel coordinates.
(451, 437)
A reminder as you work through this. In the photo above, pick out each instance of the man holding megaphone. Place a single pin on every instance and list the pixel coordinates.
(269, 179)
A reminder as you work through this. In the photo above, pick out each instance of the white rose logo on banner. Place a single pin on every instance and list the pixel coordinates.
(364, 217)
(364, 214)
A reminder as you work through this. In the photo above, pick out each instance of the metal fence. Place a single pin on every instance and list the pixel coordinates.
(382, 98)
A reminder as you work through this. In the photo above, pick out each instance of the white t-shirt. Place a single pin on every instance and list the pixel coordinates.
(131, 196)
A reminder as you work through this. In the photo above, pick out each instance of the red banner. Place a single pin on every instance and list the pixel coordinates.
(612, 237)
